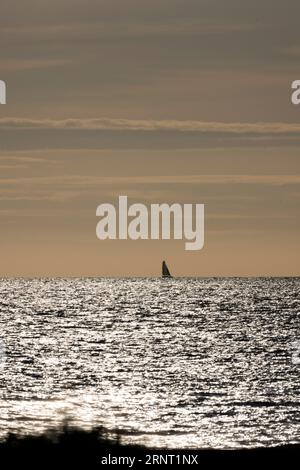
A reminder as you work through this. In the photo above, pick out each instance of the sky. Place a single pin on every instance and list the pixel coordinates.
(183, 101)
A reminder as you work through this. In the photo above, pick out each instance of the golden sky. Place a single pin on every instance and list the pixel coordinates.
(164, 101)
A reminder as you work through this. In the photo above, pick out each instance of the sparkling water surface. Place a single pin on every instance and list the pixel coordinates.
(174, 362)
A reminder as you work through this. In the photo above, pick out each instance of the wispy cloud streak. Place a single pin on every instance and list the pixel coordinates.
(88, 181)
(259, 128)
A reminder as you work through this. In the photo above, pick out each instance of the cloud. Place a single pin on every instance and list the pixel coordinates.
(97, 181)
(120, 28)
(20, 158)
(259, 128)
(13, 65)
(25, 133)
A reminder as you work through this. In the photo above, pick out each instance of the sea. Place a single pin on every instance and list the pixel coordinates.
(179, 363)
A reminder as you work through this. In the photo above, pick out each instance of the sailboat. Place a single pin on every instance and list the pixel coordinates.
(165, 270)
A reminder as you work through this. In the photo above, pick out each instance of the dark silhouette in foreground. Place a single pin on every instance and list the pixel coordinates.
(73, 447)
(165, 270)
